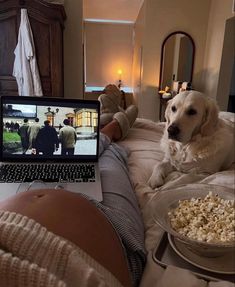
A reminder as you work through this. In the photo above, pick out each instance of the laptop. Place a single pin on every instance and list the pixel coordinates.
(49, 143)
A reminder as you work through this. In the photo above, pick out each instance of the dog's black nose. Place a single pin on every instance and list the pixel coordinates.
(173, 131)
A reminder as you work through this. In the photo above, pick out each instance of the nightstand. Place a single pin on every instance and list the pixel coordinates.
(163, 103)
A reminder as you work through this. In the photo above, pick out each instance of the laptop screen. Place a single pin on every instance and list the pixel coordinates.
(53, 129)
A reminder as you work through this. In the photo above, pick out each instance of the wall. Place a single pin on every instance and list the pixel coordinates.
(137, 70)
(220, 11)
(109, 47)
(73, 50)
(162, 18)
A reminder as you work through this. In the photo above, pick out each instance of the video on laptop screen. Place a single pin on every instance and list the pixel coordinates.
(49, 129)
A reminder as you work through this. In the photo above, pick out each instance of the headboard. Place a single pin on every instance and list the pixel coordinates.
(47, 23)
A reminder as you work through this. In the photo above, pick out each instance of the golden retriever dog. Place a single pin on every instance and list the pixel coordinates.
(195, 138)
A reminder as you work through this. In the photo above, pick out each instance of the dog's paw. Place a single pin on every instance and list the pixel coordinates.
(160, 171)
(156, 179)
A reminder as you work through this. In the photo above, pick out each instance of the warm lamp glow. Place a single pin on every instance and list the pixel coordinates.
(119, 72)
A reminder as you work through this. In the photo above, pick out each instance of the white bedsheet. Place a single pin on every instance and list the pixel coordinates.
(143, 143)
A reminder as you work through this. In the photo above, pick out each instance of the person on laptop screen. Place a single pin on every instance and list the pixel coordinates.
(24, 135)
(47, 141)
(33, 132)
(41, 134)
(68, 138)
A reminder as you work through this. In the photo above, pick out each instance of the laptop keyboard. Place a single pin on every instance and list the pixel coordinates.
(47, 172)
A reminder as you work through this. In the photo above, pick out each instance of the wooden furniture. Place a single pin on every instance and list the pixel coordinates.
(162, 108)
(47, 23)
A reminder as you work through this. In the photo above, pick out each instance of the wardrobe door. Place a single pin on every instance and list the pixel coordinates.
(48, 43)
(8, 41)
(47, 24)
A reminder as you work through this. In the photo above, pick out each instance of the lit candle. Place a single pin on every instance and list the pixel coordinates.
(120, 78)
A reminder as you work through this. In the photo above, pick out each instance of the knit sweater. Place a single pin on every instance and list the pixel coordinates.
(32, 256)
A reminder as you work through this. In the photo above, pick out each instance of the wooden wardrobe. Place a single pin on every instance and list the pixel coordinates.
(47, 24)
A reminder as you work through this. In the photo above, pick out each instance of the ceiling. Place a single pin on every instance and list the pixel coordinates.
(121, 10)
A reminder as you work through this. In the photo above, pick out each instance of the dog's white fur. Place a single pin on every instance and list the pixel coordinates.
(200, 142)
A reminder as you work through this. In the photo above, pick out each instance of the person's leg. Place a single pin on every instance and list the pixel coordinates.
(118, 127)
(48, 152)
(119, 201)
(24, 146)
(70, 151)
(112, 130)
(63, 151)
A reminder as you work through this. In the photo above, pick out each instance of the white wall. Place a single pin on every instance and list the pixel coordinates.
(220, 11)
(73, 49)
(109, 47)
(137, 70)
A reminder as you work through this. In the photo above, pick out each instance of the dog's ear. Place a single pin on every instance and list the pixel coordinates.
(167, 111)
(211, 118)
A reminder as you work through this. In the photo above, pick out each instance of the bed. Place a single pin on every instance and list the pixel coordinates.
(143, 144)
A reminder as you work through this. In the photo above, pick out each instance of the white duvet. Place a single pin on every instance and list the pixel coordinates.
(143, 142)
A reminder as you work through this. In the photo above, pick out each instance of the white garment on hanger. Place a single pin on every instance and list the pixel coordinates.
(25, 66)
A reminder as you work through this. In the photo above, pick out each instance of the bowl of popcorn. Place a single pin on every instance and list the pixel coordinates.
(200, 216)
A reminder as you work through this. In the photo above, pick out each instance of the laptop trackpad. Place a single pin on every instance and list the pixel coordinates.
(35, 185)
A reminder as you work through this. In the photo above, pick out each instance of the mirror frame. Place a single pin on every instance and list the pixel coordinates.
(162, 52)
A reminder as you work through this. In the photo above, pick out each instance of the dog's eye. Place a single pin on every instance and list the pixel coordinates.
(173, 108)
(191, 112)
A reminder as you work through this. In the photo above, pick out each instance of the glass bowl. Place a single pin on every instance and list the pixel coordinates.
(166, 200)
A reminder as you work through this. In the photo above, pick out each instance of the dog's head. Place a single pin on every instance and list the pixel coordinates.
(190, 113)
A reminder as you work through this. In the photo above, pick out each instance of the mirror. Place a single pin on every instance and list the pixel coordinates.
(177, 59)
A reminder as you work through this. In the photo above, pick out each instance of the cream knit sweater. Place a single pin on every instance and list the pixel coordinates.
(32, 256)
